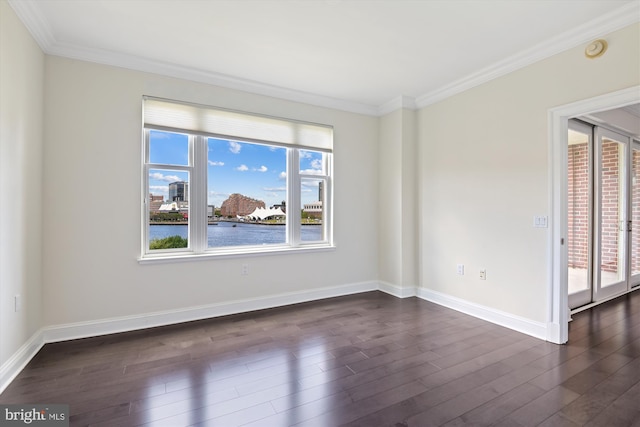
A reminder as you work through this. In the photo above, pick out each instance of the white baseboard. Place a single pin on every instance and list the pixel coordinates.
(517, 323)
(16, 363)
(397, 291)
(56, 333)
(70, 331)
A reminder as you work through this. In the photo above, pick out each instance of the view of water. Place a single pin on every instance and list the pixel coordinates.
(225, 234)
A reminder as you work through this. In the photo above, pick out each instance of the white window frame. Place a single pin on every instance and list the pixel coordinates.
(197, 169)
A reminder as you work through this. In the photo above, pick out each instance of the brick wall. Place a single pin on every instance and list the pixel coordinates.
(237, 204)
(578, 207)
(610, 183)
(635, 214)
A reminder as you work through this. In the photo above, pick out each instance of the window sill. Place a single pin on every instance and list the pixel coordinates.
(232, 253)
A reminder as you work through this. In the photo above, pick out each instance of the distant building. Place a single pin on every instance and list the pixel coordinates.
(179, 191)
(282, 206)
(313, 210)
(178, 206)
(239, 205)
(155, 202)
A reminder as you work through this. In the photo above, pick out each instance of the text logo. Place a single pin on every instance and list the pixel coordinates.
(40, 415)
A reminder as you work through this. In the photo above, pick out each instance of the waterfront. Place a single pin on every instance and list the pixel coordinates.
(237, 233)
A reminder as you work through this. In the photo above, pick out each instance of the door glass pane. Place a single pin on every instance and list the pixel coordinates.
(578, 209)
(612, 267)
(635, 212)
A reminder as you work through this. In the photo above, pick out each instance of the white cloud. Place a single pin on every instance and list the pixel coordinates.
(212, 163)
(167, 178)
(305, 154)
(283, 175)
(311, 172)
(159, 190)
(275, 189)
(242, 168)
(156, 134)
(262, 168)
(234, 147)
(213, 193)
(316, 164)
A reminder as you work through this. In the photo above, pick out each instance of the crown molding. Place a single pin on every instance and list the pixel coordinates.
(605, 24)
(138, 63)
(35, 21)
(400, 102)
(31, 16)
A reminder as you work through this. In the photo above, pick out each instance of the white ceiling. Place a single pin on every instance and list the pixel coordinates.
(364, 56)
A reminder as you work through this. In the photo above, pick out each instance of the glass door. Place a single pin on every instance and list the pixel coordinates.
(579, 207)
(611, 214)
(635, 214)
(603, 246)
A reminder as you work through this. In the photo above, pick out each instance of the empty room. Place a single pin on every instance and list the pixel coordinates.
(320, 212)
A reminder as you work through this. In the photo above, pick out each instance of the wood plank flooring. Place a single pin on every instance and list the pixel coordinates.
(362, 360)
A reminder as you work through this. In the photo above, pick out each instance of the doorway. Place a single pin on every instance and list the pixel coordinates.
(603, 203)
(558, 315)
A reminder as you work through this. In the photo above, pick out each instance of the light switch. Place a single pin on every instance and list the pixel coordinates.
(540, 221)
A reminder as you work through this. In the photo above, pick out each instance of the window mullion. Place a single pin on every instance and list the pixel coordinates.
(293, 196)
(198, 196)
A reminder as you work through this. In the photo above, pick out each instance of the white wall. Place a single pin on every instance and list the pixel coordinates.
(485, 173)
(21, 89)
(93, 162)
(390, 190)
(397, 189)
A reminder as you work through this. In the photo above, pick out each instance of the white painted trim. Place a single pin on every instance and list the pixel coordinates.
(38, 26)
(16, 363)
(603, 25)
(70, 331)
(35, 21)
(397, 291)
(398, 103)
(557, 295)
(511, 321)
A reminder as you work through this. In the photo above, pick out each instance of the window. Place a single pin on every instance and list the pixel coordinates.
(219, 181)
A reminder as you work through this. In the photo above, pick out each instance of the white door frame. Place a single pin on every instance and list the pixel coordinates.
(558, 293)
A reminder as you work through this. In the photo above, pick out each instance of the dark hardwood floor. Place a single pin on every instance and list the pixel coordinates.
(361, 360)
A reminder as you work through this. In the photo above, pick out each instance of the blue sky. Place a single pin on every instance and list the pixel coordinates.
(253, 170)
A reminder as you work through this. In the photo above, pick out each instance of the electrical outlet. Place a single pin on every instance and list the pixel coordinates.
(483, 274)
(244, 271)
(460, 269)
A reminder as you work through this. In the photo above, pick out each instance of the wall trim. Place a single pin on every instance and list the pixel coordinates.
(69, 331)
(16, 363)
(397, 291)
(35, 21)
(558, 117)
(398, 103)
(615, 20)
(77, 330)
(511, 321)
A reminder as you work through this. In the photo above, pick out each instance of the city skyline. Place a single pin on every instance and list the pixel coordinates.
(253, 170)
